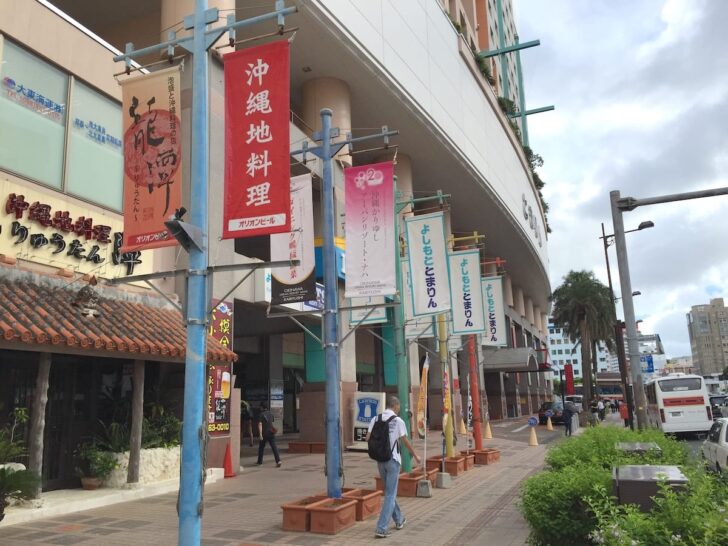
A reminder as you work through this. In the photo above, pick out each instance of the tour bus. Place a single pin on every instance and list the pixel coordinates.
(678, 403)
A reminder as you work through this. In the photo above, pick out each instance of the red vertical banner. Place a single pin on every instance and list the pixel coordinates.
(569, 373)
(257, 163)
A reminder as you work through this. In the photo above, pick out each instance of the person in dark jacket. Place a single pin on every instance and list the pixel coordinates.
(267, 433)
(569, 411)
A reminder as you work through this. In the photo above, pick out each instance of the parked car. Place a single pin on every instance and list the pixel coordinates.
(719, 405)
(715, 447)
(557, 412)
(577, 399)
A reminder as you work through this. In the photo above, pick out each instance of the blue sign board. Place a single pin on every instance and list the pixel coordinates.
(533, 422)
(549, 413)
(647, 364)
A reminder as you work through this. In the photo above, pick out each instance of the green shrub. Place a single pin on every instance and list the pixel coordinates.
(554, 504)
(597, 447)
(93, 462)
(10, 450)
(16, 484)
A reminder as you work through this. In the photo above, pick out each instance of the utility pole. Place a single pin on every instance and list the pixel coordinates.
(326, 151)
(618, 205)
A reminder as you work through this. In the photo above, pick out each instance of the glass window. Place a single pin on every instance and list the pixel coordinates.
(682, 384)
(32, 116)
(95, 161)
(714, 434)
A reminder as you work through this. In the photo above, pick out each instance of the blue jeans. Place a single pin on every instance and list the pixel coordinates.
(389, 472)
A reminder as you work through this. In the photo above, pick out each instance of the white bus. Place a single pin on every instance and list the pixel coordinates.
(678, 403)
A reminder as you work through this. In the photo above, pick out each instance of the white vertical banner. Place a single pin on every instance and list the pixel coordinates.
(414, 327)
(468, 315)
(495, 315)
(428, 263)
(367, 315)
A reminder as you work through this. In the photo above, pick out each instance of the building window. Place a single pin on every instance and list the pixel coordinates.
(32, 116)
(95, 162)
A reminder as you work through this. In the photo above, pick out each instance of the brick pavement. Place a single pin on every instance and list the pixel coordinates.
(479, 508)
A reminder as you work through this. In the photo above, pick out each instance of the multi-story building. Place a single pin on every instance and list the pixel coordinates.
(401, 64)
(562, 351)
(679, 364)
(708, 330)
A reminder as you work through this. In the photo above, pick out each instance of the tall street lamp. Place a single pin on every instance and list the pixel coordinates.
(608, 240)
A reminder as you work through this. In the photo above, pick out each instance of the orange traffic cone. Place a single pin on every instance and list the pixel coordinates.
(228, 463)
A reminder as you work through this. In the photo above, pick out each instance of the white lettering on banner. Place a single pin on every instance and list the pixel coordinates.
(427, 264)
(468, 314)
(495, 335)
(258, 195)
(257, 71)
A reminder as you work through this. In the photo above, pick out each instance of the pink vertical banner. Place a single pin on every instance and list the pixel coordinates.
(370, 244)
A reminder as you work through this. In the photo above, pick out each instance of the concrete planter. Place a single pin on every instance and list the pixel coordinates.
(368, 502)
(297, 514)
(454, 465)
(299, 447)
(486, 456)
(469, 459)
(155, 465)
(331, 516)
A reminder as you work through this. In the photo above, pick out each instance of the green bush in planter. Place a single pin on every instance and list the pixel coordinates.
(16, 484)
(554, 504)
(93, 462)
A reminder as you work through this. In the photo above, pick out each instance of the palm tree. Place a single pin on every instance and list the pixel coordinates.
(582, 306)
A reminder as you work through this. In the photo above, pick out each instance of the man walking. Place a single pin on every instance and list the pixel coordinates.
(569, 411)
(267, 433)
(389, 467)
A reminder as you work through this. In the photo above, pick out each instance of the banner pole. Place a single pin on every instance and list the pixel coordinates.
(475, 393)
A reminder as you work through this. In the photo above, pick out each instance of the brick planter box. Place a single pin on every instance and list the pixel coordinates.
(368, 502)
(299, 447)
(469, 460)
(297, 515)
(330, 516)
(487, 456)
(344, 492)
(407, 486)
(454, 465)
(318, 447)
(434, 462)
(432, 475)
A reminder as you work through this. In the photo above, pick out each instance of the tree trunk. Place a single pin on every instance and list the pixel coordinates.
(37, 418)
(595, 366)
(585, 364)
(137, 417)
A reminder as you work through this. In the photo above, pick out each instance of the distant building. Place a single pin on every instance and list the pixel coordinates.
(563, 351)
(680, 364)
(708, 329)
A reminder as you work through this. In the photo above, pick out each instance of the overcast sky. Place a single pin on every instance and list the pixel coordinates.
(641, 96)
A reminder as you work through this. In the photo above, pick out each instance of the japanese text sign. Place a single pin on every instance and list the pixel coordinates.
(495, 317)
(221, 323)
(295, 283)
(152, 157)
(468, 316)
(428, 264)
(219, 385)
(370, 238)
(257, 162)
(414, 327)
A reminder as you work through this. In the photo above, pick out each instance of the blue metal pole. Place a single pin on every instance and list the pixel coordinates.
(193, 427)
(331, 329)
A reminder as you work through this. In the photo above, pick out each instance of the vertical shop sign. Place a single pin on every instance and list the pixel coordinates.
(152, 157)
(422, 400)
(569, 373)
(221, 323)
(295, 283)
(468, 316)
(495, 317)
(428, 264)
(257, 170)
(370, 244)
(414, 327)
(219, 381)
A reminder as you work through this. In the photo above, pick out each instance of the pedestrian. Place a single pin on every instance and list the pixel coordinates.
(600, 409)
(386, 434)
(267, 433)
(624, 413)
(246, 418)
(594, 410)
(568, 413)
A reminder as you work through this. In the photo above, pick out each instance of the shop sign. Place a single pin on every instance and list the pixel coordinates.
(97, 132)
(370, 238)
(152, 157)
(76, 238)
(367, 405)
(257, 159)
(295, 283)
(33, 100)
(422, 400)
(468, 316)
(414, 327)
(221, 323)
(219, 384)
(428, 264)
(495, 333)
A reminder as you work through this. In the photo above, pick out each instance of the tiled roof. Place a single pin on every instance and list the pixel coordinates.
(38, 310)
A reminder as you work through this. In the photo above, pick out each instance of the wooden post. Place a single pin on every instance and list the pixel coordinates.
(137, 417)
(37, 417)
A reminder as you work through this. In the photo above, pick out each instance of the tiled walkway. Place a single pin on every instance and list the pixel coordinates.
(479, 509)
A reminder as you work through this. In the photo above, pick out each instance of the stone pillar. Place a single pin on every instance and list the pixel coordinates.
(537, 323)
(513, 402)
(519, 302)
(508, 291)
(174, 11)
(328, 93)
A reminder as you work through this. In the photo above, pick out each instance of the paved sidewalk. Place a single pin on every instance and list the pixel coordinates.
(479, 508)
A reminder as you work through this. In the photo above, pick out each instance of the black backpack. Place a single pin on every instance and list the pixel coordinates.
(378, 444)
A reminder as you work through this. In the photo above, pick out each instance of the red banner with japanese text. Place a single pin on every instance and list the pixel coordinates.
(569, 373)
(257, 159)
(152, 157)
